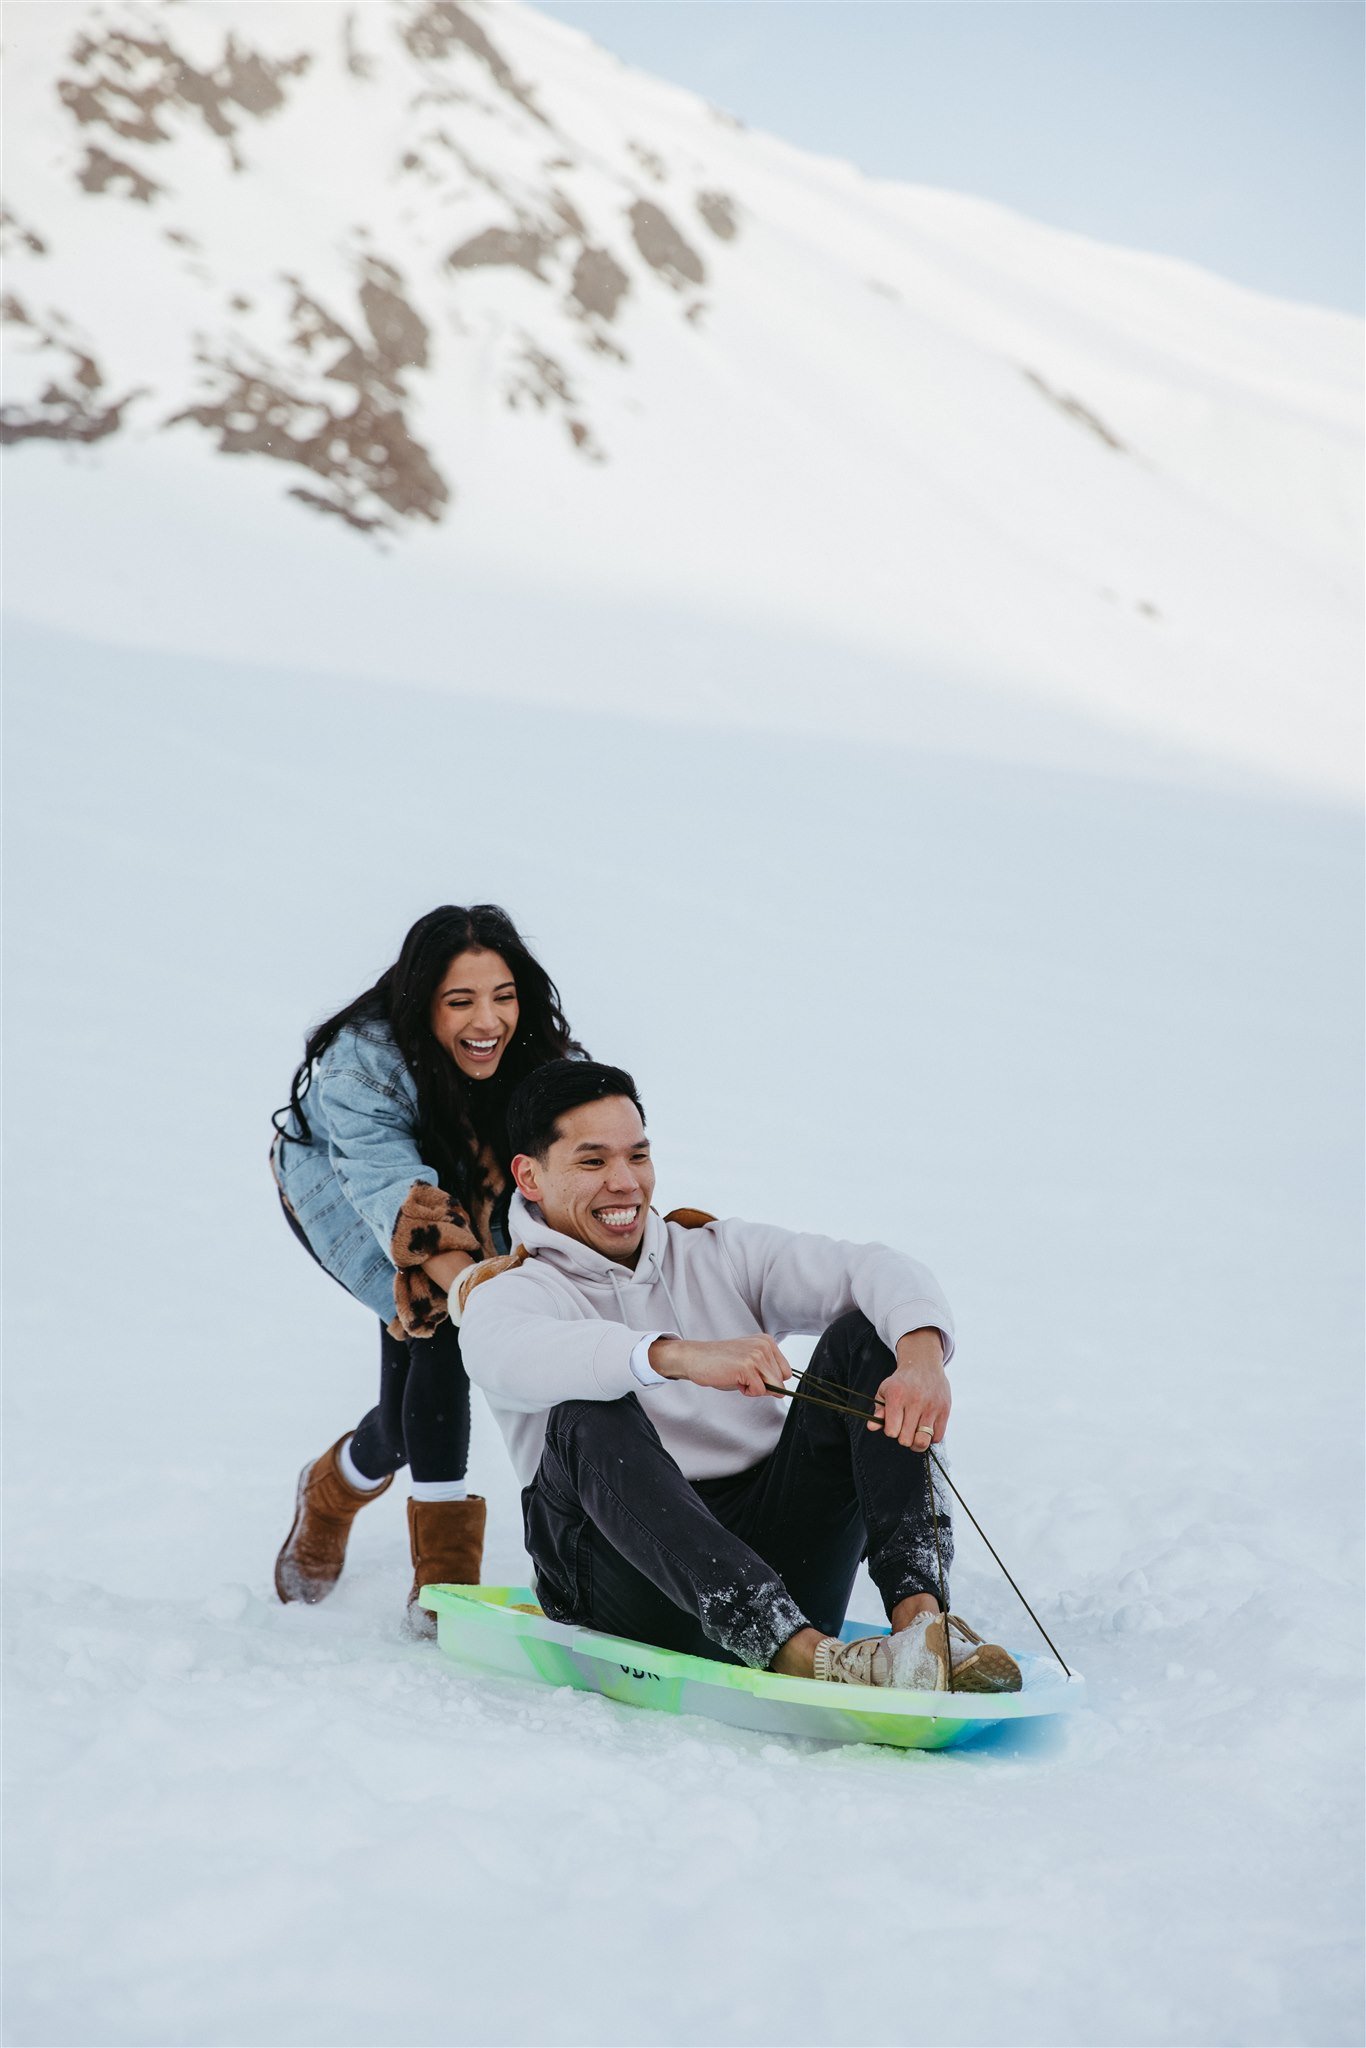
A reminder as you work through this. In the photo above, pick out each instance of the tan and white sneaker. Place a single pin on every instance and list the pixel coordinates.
(935, 1654)
(976, 1666)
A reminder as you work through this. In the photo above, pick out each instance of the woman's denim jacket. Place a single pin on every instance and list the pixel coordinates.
(347, 1182)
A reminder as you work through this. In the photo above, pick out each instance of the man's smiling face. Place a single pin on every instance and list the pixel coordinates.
(597, 1178)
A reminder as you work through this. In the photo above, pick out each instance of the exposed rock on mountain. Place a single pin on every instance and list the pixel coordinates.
(475, 308)
(360, 446)
(130, 84)
(73, 405)
(315, 344)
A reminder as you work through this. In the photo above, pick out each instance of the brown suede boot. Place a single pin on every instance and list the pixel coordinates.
(325, 1506)
(447, 1538)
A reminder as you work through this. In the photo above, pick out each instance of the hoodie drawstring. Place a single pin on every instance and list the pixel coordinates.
(673, 1305)
(615, 1277)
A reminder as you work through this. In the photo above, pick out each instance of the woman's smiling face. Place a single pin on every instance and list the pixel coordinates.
(474, 1011)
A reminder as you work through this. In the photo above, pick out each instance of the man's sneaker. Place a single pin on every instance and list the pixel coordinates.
(932, 1655)
(912, 1659)
(976, 1666)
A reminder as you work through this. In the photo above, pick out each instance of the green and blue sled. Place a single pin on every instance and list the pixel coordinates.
(501, 1629)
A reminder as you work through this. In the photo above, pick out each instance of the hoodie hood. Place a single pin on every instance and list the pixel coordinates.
(579, 1261)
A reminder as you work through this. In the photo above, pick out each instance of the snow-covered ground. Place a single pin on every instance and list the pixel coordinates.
(1087, 1044)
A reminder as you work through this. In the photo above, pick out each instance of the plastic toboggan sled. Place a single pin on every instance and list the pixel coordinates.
(501, 1629)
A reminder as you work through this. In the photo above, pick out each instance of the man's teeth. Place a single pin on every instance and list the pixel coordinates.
(617, 1219)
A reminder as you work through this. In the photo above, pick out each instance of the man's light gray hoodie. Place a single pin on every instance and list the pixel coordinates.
(562, 1326)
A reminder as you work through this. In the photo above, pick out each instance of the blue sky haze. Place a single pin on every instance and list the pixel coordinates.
(1228, 132)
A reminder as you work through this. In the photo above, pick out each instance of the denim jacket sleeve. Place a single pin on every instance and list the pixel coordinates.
(370, 1110)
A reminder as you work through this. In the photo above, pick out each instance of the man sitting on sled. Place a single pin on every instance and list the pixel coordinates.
(669, 1495)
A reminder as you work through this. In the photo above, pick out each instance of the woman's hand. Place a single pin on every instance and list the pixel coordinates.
(445, 1268)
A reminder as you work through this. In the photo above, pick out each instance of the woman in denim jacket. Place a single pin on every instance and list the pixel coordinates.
(391, 1161)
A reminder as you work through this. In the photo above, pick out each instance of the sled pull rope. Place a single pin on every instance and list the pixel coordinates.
(939, 1567)
(845, 1406)
(995, 1553)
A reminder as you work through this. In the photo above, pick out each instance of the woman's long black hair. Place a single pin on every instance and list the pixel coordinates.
(455, 1116)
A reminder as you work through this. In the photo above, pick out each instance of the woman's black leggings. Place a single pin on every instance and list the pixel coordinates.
(422, 1416)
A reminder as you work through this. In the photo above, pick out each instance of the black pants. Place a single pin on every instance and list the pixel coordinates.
(730, 1568)
(422, 1416)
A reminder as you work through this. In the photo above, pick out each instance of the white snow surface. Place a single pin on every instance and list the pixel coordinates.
(1086, 1046)
(930, 893)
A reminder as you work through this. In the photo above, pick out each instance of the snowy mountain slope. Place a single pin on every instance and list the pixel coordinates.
(1102, 1072)
(486, 311)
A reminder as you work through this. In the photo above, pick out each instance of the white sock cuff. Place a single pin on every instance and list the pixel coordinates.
(440, 1489)
(352, 1473)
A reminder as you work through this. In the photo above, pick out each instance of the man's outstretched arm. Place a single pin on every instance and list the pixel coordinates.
(799, 1280)
(915, 1397)
(738, 1365)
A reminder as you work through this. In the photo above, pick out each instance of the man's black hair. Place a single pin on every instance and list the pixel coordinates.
(534, 1112)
